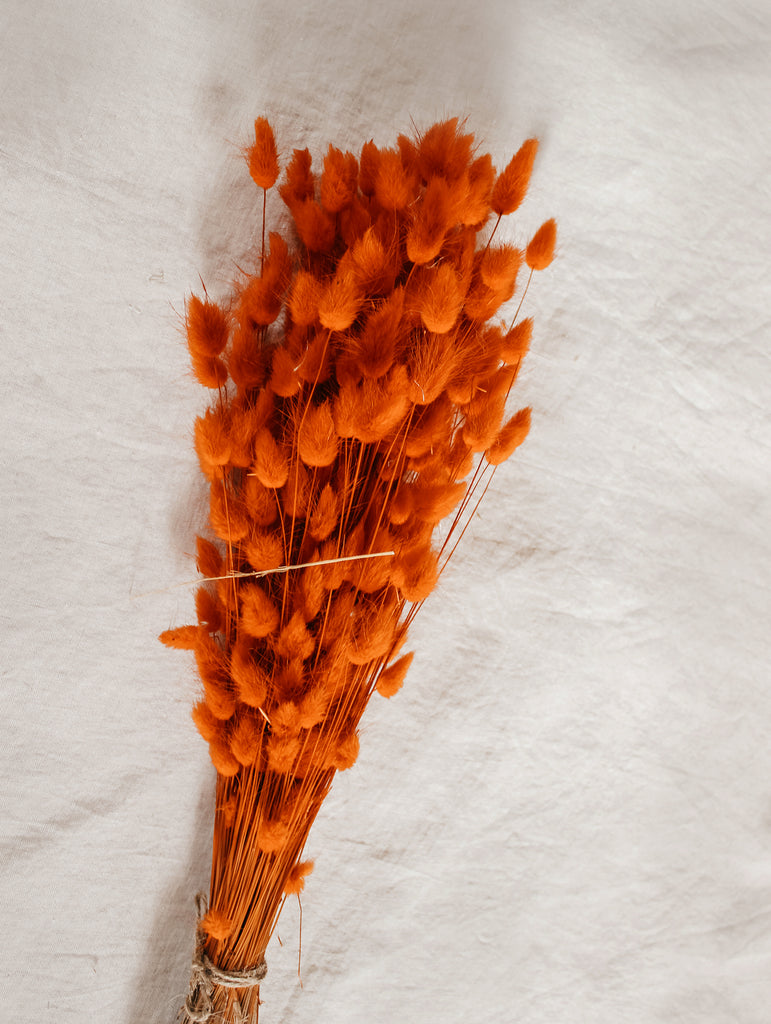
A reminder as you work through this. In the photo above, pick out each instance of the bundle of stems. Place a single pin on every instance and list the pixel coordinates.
(359, 383)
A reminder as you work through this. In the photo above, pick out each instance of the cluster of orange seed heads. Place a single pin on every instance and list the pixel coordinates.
(359, 385)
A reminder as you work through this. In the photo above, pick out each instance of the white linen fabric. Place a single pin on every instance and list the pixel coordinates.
(565, 815)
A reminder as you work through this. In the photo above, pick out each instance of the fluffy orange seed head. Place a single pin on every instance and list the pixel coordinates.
(272, 836)
(259, 615)
(314, 364)
(217, 925)
(511, 184)
(499, 266)
(317, 438)
(183, 638)
(391, 679)
(369, 162)
(208, 610)
(262, 155)
(510, 437)
(299, 184)
(209, 371)
(376, 346)
(207, 327)
(247, 360)
(441, 298)
(246, 739)
(212, 442)
(260, 502)
(373, 264)
(340, 302)
(432, 221)
(271, 465)
(222, 757)
(205, 722)
(315, 226)
(338, 180)
(305, 297)
(393, 188)
(295, 882)
(228, 517)
(516, 342)
(476, 205)
(346, 752)
(540, 249)
(250, 679)
(264, 550)
(324, 517)
(295, 640)
(208, 558)
(444, 150)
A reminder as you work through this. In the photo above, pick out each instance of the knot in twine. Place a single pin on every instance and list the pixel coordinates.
(205, 974)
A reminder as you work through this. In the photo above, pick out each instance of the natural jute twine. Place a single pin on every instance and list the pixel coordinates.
(205, 975)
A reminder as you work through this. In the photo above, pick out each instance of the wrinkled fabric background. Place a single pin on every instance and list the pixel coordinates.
(565, 815)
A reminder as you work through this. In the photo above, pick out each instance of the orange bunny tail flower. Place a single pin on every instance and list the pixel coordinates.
(511, 185)
(207, 328)
(295, 882)
(217, 925)
(184, 638)
(338, 180)
(391, 679)
(540, 250)
(510, 436)
(262, 154)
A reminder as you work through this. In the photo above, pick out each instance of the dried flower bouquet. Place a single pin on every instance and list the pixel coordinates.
(359, 386)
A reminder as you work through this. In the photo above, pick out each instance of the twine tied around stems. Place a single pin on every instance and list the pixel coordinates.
(205, 975)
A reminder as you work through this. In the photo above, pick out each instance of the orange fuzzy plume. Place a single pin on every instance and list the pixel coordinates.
(205, 722)
(295, 882)
(250, 679)
(209, 371)
(259, 614)
(511, 185)
(305, 298)
(346, 752)
(208, 559)
(325, 514)
(315, 226)
(510, 437)
(338, 180)
(444, 150)
(217, 924)
(271, 466)
(262, 155)
(360, 379)
(340, 302)
(392, 186)
(375, 347)
(517, 342)
(261, 297)
(432, 221)
(207, 328)
(391, 679)
(317, 439)
(441, 299)
(498, 267)
(299, 184)
(184, 638)
(208, 610)
(212, 443)
(540, 249)
(479, 185)
(264, 550)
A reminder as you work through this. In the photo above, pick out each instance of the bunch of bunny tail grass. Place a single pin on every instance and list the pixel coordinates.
(359, 387)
